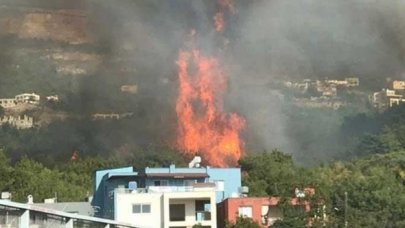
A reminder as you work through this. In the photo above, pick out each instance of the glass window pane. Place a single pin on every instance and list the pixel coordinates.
(245, 212)
(146, 208)
(136, 208)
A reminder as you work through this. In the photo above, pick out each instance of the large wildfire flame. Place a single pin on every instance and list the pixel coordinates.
(202, 124)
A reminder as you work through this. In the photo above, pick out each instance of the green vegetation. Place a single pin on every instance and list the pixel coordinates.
(242, 222)
(29, 177)
(375, 187)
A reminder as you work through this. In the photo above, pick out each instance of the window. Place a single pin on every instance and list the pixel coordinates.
(245, 211)
(140, 208)
(189, 182)
(161, 183)
(177, 212)
(145, 208)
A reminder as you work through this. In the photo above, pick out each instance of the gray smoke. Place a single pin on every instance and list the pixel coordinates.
(269, 41)
(293, 40)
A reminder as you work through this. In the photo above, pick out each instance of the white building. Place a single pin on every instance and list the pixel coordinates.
(167, 206)
(19, 215)
(30, 98)
(19, 122)
(8, 102)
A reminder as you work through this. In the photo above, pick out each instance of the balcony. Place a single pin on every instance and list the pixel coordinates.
(201, 216)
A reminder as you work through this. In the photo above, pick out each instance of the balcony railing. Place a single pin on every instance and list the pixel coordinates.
(159, 189)
(202, 216)
(170, 189)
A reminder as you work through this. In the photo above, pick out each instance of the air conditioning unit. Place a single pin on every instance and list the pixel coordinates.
(244, 190)
(6, 195)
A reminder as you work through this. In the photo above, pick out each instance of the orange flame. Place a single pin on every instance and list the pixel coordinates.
(203, 126)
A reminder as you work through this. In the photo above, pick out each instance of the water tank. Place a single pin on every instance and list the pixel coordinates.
(244, 190)
(132, 185)
(195, 163)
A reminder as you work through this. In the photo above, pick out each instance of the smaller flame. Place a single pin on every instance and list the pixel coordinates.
(219, 22)
(74, 156)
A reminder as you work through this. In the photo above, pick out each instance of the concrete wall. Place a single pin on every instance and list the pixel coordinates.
(232, 181)
(189, 198)
(100, 187)
(123, 212)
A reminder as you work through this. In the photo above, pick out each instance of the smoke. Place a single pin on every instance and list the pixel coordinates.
(293, 40)
(313, 38)
(269, 40)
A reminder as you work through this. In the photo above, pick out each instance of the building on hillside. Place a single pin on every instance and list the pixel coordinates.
(398, 85)
(386, 98)
(30, 98)
(112, 116)
(19, 122)
(52, 98)
(347, 82)
(129, 89)
(8, 102)
(263, 210)
(177, 196)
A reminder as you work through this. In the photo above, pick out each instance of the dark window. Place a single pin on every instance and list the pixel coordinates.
(177, 212)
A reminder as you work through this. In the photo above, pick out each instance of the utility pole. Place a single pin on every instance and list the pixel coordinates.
(346, 209)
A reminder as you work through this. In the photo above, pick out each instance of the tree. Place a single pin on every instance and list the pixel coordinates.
(243, 222)
(269, 174)
(293, 216)
(5, 172)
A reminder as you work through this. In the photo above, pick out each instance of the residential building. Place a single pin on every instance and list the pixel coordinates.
(398, 85)
(263, 210)
(167, 206)
(19, 122)
(30, 98)
(172, 196)
(8, 102)
(19, 215)
(53, 98)
(129, 89)
(112, 116)
(348, 82)
(386, 98)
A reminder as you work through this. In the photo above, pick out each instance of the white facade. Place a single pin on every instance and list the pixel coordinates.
(124, 208)
(167, 206)
(19, 122)
(30, 98)
(8, 103)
